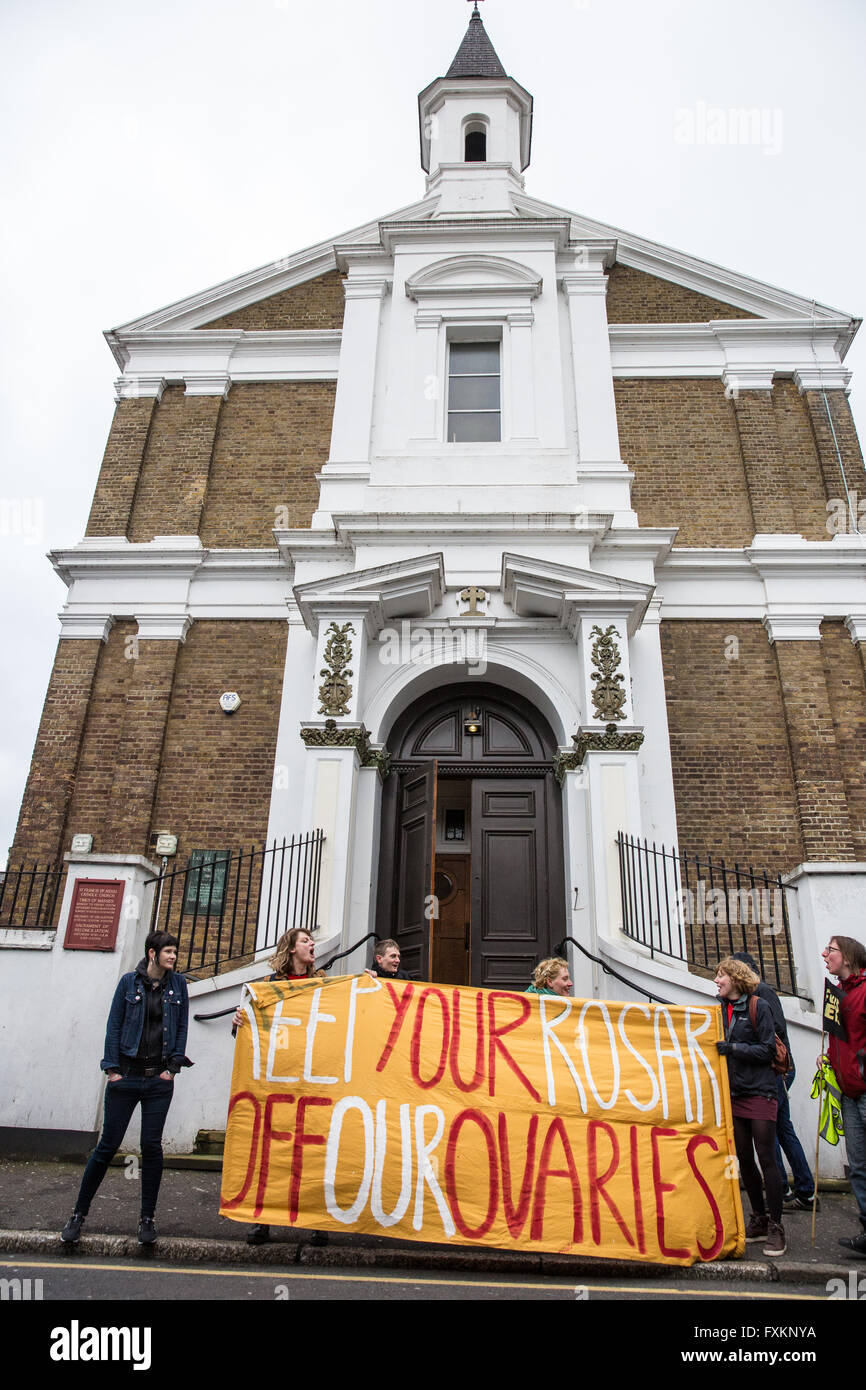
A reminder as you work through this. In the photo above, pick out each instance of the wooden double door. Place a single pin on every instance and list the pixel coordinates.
(481, 901)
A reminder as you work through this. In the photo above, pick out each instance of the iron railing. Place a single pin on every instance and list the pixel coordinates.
(30, 897)
(700, 909)
(238, 902)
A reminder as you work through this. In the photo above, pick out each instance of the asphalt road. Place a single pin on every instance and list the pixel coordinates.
(78, 1280)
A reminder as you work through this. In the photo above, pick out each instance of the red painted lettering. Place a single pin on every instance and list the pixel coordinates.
(536, 1230)
(401, 1005)
(597, 1183)
(495, 1043)
(711, 1251)
(254, 1146)
(301, 1140)
(516, 1216)
(676, 1252)
(415, 1046)
(472, 1232)
(269, 1134)
(635, 1187)
(478, 1075)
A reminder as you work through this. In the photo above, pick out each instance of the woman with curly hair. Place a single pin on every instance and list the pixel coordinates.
(551, 977)
(749, 1047)
(293, 959)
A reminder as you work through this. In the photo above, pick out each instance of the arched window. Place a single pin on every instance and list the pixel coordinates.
(475, 142)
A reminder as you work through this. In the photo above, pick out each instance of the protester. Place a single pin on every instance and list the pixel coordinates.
(845, 958)
(386, 961)
(551, 977)
(749, 1050)
(293, 959)
(803, 1194)
(145, 1047)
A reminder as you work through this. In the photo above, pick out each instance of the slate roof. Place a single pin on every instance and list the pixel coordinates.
(476, 56)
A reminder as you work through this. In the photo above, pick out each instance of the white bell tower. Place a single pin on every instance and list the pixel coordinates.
(476, 131)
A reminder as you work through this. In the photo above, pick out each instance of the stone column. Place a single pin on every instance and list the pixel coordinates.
(821, 800)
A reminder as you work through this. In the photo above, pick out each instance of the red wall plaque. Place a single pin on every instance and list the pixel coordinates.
(94, 915)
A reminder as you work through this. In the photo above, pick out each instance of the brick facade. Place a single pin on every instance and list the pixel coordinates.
(53, 768)
(680, 437)
(733, 779)
(217, 770)
(273, 439)
(121, 465)
(174, 473)
(635, 297)
(318, 303)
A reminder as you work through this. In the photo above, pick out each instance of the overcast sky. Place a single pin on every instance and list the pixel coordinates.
(152, 150)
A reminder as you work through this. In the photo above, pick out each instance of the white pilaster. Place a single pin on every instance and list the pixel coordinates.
(585, 289)
(353, 408)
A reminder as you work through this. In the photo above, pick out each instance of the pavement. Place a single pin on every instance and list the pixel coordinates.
(36, 1198)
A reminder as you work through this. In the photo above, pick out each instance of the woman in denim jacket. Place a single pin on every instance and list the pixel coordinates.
(145, 1047)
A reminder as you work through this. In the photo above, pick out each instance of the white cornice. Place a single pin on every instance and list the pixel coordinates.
(473, 276)
(394, 232)
(745, 349)
(207, 359)
(775, 578)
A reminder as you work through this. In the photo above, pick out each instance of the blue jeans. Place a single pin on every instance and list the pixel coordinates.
(786, 1138)
(854, 1120)
(121, 1098)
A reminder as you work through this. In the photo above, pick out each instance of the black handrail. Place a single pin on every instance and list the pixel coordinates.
(223, 1013)
(371, 935)
(609, 970)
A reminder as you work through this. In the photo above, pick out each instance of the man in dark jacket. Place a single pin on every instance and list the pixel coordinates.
(786, 1136)
(845, 957)
(386, 961)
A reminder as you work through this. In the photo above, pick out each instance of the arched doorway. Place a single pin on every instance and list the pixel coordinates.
(471, 851)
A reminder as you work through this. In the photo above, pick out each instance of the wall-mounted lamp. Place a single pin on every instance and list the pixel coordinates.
(472, 722)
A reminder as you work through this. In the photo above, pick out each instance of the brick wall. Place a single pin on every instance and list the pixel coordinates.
(733, 778)
(121, 464)
(846, 687)
(272, 440)
(42, 819)
(635, 297)
(680, 437)
(174, 473)
(805, 480)
(217, 769)
(90, 808)
(318, 303)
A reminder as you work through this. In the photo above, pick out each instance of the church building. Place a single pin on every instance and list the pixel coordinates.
(508, 551)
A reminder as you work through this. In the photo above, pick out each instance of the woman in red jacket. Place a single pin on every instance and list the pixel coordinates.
(845, 958)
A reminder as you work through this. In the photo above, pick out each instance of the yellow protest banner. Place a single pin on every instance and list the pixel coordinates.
(482, 1117)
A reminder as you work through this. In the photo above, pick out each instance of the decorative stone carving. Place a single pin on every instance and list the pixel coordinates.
(609, 694)
(334, 735)
(613, 740)
(335, 692)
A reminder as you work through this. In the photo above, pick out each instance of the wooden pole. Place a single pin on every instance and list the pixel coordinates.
(818, 1141)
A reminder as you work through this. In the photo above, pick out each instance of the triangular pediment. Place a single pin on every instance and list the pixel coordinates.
(545, 589)
(410, 588)
(704, 278)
